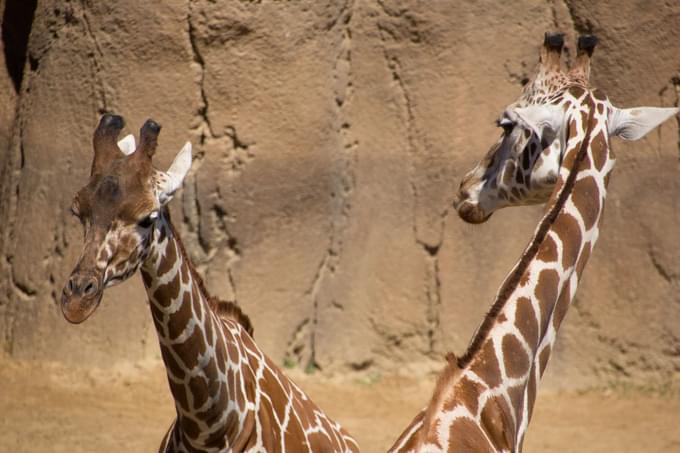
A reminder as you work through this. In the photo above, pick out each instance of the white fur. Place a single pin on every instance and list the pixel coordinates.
(542, 119)
(176, 173)
(127, 144)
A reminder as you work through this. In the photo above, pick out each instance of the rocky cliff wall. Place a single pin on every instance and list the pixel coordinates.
(330, 137)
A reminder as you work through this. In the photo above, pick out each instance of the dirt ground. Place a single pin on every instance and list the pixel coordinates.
(48, 409)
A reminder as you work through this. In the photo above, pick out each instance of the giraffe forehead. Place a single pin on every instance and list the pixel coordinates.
(119, 194)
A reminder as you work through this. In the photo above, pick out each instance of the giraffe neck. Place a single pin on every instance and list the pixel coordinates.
(510, 351)
(229, 396)
(192, 344)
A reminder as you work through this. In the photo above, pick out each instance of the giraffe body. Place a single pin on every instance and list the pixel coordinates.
(229, 396)
(484, 400)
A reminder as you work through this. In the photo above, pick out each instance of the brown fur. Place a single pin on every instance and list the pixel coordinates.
(223, 309)
(513, 279)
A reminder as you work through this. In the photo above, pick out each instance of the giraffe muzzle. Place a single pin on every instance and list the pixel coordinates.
(81, 297)
(468, 211)
(471, 213)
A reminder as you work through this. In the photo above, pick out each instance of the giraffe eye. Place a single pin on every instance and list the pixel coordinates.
(506, 123)
(147, 221)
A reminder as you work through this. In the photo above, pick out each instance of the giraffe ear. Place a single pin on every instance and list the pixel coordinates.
(544, 120)
(635, 123)
(127, 145)
(175, 175)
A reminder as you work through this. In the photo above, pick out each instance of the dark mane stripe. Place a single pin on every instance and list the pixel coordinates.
(230, 310)
(222, 308)
(512, 281)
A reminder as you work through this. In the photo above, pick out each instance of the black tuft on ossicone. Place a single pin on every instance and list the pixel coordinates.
(109, 121)
(148, 138)
(151, 127)
(554, 40)
(587, 43)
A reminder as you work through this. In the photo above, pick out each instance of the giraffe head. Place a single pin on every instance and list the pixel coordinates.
(522, 167)
(118, 209)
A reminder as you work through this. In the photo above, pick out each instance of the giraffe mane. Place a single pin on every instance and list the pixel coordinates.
(445, 380)
(222, 308)
(229, 310)
(511, 282)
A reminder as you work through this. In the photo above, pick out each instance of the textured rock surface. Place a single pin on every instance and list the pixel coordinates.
(330, 137)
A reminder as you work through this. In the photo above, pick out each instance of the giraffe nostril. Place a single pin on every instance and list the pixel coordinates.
(90, 288)
(79, 285)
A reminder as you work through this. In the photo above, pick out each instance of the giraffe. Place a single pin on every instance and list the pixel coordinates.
(229, 396)
(560, 130)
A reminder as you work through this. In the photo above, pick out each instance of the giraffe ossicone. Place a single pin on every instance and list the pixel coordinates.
(554, 148)
(229, 396)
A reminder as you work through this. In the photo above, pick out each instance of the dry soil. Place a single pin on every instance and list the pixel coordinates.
(49, 409)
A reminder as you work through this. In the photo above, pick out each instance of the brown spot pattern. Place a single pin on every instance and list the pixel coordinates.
(516, 395)
(531, 392)
(543, 358)
(165, 293)
(569, 232)
(583, 259)
(496, 420)
(190, 427)
(178, 322)
(546, 293)
(598, 146)
(465, 435)
(561, 307)
(526, 322)
(547, 252)
(599, 95)
(577, 91)
(486, 365)
(466, 393)
(190, 350)
(586, 198)
(171, 364)
(514, 357)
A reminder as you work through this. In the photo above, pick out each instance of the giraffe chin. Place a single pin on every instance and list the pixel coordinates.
(471, 213)
(78, 309)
